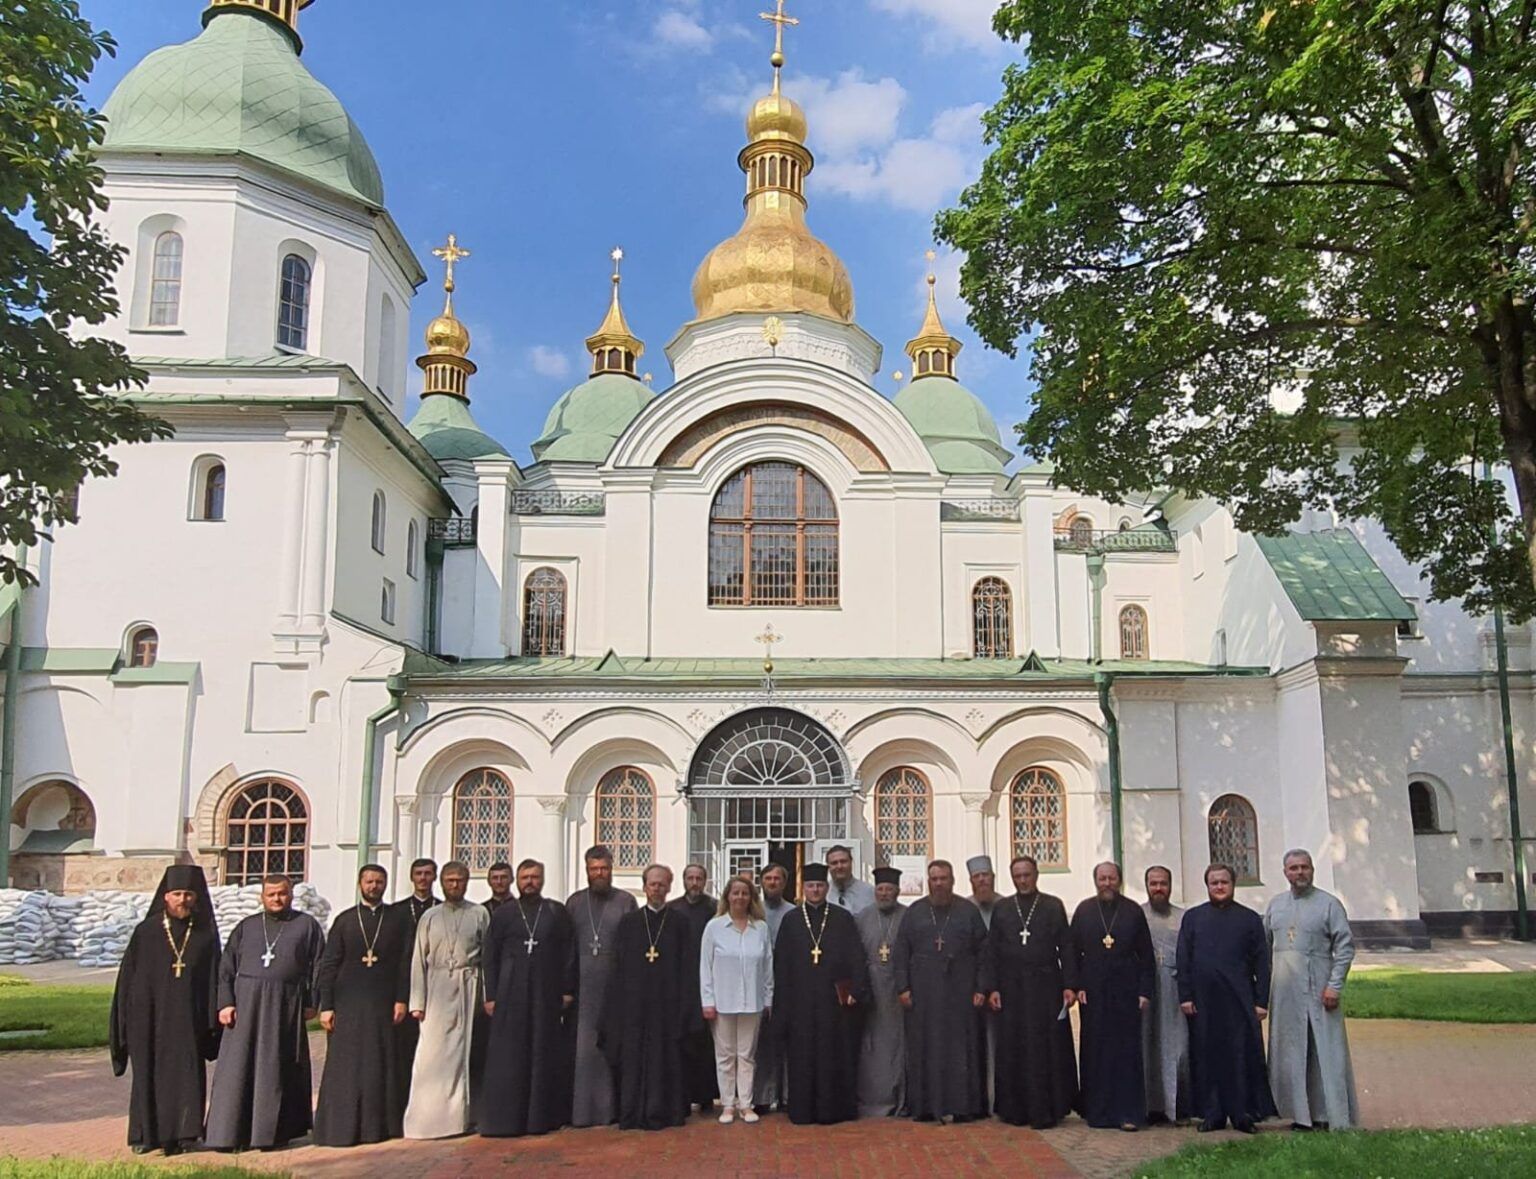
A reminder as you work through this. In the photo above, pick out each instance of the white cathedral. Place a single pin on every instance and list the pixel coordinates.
(760, 611)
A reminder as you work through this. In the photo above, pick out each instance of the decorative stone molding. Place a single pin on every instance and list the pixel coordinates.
(974, 802)
(210, 801)
(553, 805)
(698, 439)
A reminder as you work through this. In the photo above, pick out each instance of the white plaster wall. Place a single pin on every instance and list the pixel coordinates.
(972, 551)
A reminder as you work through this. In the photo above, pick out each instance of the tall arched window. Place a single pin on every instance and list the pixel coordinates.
(544, 613)
(1133, 633)
(412, 544)
(1422, 808)
(380, 520)
(903, 815)
(213, 492)
(773, 539)
(626, 813)
(1233, 828)
(992, 619)
(165, 281)
(293, 303)
(1039, 804)
(387, 331)
(482, 819)
(143, 647)
(266, 830)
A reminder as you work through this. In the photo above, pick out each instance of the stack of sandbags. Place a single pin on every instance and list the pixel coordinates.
(30, 930)
(233, 903)
(69, 925)
(307, 899)
(107, 921)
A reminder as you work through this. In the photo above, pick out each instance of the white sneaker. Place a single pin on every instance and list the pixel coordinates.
(727, 1116)
(749, 1116)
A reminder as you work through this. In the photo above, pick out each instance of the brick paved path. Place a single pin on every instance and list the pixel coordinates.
(1420, 1074)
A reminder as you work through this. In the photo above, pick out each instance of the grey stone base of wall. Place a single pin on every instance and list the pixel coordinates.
(1499, 923)
(1391, 935)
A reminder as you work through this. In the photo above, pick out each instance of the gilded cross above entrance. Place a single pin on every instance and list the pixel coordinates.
(768, 638)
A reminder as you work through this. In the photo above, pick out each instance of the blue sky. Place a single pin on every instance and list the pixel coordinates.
(545, 133)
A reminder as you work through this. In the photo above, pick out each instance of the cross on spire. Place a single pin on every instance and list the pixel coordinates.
(779, 21)
(451, 254)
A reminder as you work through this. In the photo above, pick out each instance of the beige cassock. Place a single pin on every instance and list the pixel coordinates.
(445, 983)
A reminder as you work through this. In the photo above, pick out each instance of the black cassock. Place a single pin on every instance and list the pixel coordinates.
(167, 1027)
(1036, 1074)
(526, 1088)
(821, 1039)
(699, 1076)
(262, 1086)
(942, 956)
(646, 1014)
(360, 1089)
(1115, 978)
(1224, 971)
(409, 1031)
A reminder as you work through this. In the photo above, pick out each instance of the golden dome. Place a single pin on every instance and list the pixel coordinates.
(446, 363)
(448, 334)
(776, 116)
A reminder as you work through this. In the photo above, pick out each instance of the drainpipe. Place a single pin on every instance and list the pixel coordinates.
(1095, 562)
(8, 724)
(1105, 681)
(1511, 777)
(396, 685)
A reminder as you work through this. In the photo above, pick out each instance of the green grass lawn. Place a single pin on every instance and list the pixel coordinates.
(1403, 993)
(75, 1016)
(76, 1169)
(1388, 1154)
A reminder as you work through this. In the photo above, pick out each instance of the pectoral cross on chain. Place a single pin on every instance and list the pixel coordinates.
(1109, 941)
(268, 958)
(815, 955)
(885, 953)
(938, 943)
(369, 958)
(530, 943)
(651, 955)
(176, 969)
(597, 947)
(1023, 937)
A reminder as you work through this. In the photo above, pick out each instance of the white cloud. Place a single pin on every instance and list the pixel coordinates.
(946, 288)
(681, 31)
(956, 22)
(849, 113)
(919, 174)
(549, 362)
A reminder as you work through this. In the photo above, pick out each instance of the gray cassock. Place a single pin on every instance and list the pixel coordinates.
(445, 984)
(1164, 1031)
(883, 1055)
(596, 921)
(1309, 1069)
(768, 1084)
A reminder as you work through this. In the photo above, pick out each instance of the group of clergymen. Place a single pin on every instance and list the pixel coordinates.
(522, 1014)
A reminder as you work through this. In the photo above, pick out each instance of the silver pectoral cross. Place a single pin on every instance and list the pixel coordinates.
(597, 947)
(267, 958)
(1023, 937)
(530, 943)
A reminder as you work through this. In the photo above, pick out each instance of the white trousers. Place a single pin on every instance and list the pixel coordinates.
(735, 1053)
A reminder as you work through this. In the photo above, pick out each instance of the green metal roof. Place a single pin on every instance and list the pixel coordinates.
(239, 89)
(1329, 577)
(954, 671)
(285, 360)
(448, 430)
(586, 421)
(954, 424)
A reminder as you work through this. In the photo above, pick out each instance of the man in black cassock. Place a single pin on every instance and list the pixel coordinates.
(1036, 972)
(595, 913)
(261, 1087)
(165, 1013)
(1224, 992)
(943, 977)
(529, 959)
(647, 1009)
(363, 986)
(499, 877)
(819, 980)
(1115, 967)
(696, 907)
(408, 1032)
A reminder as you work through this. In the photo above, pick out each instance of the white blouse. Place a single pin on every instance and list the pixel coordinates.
(736, 967)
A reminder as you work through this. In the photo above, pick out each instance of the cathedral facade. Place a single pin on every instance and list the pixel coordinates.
(761, 611)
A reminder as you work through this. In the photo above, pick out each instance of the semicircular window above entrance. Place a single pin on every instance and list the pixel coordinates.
(769, 748)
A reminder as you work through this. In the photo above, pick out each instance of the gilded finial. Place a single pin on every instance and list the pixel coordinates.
(779, 20)
(615, 348)
(451, 254)
(933, 349)
(446, 364)
(773, 331)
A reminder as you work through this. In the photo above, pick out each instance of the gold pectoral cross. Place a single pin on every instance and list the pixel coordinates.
(885, 953)
(815, 955)
(651, 955)
(1109, 941)
(369, 958)
(176, 968)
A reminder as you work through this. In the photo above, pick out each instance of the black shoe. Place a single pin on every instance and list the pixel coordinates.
(141, 1148)
(1157, 1119)
(760, 1110)
(1245, 1127)
(1298, 1128)
(1210, 1125)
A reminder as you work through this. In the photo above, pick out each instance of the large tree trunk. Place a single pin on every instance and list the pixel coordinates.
(1512, 359)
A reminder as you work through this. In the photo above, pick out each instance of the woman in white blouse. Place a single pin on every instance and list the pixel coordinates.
(736, 988)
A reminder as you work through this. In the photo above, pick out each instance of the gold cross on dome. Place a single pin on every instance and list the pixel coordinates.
(779, 21)
(451, 254)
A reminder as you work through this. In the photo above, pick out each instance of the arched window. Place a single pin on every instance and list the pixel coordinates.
(482, 819)
(213, 492)
(626, 811)
(266, 830)
(293, 303)
(1125, 524)
(1039, 803)
(412, 543)
(773, 539)
(903, 815)
(387, 330)
(1233, 828)
(380, 519)
(1133, 633)
(1081, 530)
(143, 647)
(992, 619)
(544, 613)
(165, 281)
(1422, 808)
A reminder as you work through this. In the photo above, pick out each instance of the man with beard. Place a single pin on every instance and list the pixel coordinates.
(820, 979)
(695, 908)
(531, 981)
(768, 1080)
(261, 1088)
(364, 986)
(1036, 984)
(444, 998)
(1114, 971)
(984, 897)
(648, 1006)
(1224, 991)
(883, 1056)
(1165, 1031)
(415, 906)
(499, 877)
(165, 1013)
(595, 913)
(943, 977)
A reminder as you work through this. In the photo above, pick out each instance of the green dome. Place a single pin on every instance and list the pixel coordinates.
(240, 89)
(954, 425)
(448, 430)
(586, 422)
